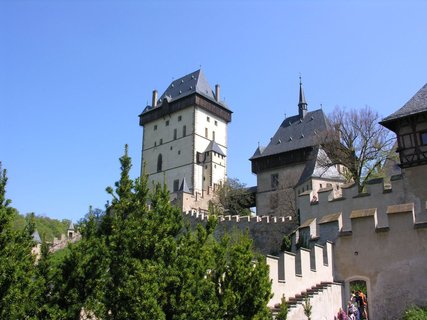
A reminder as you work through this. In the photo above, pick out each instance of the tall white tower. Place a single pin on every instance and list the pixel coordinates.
(185, 136)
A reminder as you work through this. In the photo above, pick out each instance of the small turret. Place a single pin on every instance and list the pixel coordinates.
(70, 231)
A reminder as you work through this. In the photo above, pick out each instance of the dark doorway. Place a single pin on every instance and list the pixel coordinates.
(359, 297)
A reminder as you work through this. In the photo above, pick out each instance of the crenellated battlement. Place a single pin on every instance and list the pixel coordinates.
(397, 218)
(294, 273)
(329, 217)
(203, 216)
(266, 231)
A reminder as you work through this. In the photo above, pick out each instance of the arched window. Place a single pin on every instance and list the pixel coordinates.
(159, 163)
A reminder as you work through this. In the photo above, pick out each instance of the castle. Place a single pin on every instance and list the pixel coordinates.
(184, 143)
(378, 236)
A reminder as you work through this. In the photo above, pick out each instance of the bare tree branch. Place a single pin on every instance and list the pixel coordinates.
(358, 143)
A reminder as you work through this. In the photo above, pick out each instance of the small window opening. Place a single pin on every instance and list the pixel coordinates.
(175, 185)
(274, 180)
(159, 162)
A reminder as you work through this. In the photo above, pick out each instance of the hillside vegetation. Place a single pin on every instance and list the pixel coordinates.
(47, 227)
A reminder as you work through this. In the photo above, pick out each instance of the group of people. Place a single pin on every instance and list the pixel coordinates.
(356, 307)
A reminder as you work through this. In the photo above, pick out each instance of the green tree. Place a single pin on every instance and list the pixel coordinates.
(233, 198)
(414, 312)
(17, 272)
(286, 243)
(307, 307)
(140, 261)
(283, 310)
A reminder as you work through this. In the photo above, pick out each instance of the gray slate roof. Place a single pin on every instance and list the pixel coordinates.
(313, 169)
(417, 104)
(213, 146)
(186, 85)
(184, 186)
(71, 226)
(295, 133)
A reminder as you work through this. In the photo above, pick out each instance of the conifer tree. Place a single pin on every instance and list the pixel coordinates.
(17, 272)
(140, 261)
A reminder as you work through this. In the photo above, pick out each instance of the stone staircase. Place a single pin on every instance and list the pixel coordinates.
(298, 299)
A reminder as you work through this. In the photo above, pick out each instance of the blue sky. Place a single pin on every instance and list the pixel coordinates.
(74, 75)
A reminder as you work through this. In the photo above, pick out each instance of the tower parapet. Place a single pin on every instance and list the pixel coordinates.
(378, 197)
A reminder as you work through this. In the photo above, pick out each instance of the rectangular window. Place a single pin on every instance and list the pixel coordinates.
(155, 127)
(216, 122)
(179, 118)
(184, 131)
(206, 132)
(424, 138)
(161, 141)
(175, 185)
(175, 133)
(274, 180)
(208, 119)
(213, 135)
(167, 123)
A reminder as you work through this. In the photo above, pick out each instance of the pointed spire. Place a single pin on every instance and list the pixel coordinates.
(184, 186)
(302, 104)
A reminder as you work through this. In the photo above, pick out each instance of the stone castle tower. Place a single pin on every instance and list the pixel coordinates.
(185, 136)
(291, 162)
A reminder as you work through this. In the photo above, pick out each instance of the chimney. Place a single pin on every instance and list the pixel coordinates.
(217, 87)
(154, 102)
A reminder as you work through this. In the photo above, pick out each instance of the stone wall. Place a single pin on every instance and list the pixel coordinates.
(380, 237)
(266, 232)
(292, 274)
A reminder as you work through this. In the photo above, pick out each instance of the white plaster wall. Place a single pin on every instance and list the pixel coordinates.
(292, 274)
(201, 143)
(325, 305)
(177, 154)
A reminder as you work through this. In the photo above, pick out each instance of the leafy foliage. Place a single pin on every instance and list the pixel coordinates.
(17, 272)
(140, 261)
(234, 198)
(283, 310)
(358, 285)
(415, 313)
(307, 307)
(47, 227)
(286, 243)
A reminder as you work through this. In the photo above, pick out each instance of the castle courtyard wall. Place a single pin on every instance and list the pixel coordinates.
(379, 237)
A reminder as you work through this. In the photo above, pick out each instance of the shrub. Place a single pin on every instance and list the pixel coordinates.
(415, 313)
